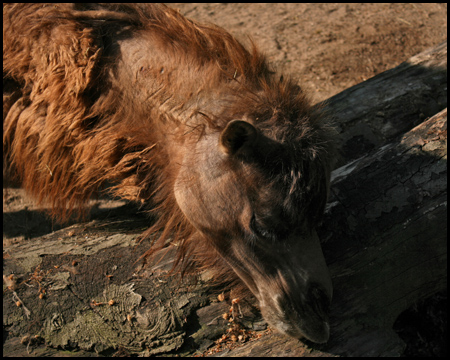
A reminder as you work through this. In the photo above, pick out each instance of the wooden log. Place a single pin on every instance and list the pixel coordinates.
(377, 111)
(384, 237)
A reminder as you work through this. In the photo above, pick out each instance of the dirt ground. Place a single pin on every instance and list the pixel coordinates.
(327, 47)
(330, 47)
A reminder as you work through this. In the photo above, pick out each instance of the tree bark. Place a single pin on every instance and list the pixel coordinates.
(384, 238)
(377, 111)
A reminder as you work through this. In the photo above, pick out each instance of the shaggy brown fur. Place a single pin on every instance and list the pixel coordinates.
(85, 104)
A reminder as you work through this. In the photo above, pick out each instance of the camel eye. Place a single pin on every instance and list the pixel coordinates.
(259, 229)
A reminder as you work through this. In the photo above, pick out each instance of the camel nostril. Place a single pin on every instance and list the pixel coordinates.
(319, 300)
(319, 294)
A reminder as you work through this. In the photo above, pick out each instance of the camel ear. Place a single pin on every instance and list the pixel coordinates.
(238, 137)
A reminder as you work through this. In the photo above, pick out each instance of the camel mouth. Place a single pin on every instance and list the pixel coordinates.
(319, 335)
(303, 317)
(292, 285)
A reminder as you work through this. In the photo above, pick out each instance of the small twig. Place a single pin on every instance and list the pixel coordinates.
(16, 299)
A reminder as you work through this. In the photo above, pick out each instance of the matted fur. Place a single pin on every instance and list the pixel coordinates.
(73, 121)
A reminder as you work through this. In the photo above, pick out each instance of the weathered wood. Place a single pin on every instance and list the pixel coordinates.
(384, 237)
(375, 112)
(78, 271)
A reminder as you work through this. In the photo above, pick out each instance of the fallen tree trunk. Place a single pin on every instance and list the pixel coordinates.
(377, 111)
(384, 238)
